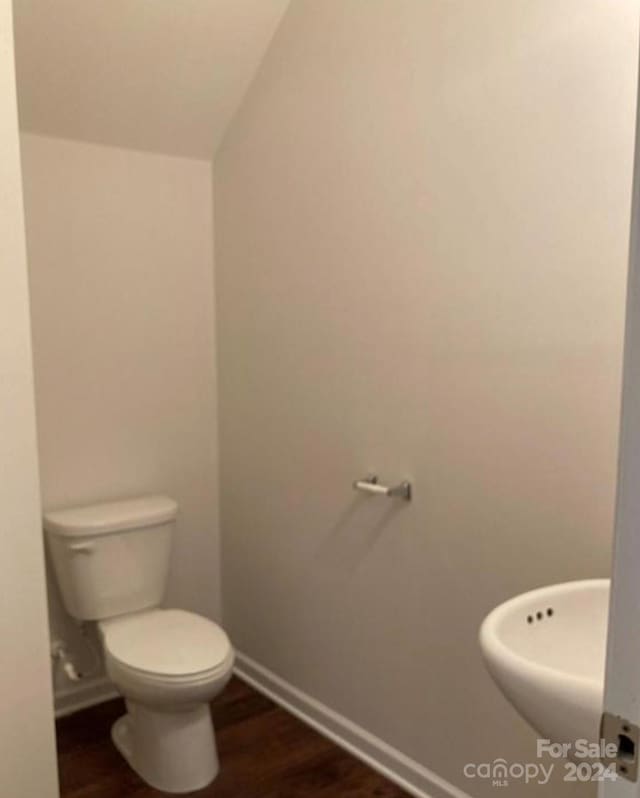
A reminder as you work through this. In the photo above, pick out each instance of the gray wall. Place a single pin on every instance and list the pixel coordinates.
(422, 216)
(121, 272)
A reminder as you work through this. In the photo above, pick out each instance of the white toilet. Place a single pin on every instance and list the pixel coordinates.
(111, 561)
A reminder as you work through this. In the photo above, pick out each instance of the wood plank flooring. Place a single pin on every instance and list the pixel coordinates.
(264, 753)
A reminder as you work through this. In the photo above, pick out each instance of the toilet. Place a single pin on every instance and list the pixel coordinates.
(111, 561)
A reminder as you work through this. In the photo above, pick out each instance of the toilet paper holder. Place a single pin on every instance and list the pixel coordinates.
(371, 485)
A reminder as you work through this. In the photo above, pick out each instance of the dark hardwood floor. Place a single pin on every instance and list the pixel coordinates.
(264, 753)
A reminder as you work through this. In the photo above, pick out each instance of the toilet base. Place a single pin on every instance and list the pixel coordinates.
(171, 751)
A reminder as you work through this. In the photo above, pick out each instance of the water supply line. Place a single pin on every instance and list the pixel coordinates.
(61, 657)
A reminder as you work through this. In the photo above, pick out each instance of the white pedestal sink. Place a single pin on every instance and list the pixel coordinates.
(546, 652)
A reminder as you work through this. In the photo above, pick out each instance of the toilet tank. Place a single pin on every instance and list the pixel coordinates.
(112, 558)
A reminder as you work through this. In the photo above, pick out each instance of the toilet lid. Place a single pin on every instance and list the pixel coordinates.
(166, 642)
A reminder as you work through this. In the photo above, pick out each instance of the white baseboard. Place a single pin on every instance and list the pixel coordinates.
(82, 695)
(391, 763)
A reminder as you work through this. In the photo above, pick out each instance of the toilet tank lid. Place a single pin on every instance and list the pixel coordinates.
(99, 519)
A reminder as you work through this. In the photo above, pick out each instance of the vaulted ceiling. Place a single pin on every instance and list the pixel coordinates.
(159, 75)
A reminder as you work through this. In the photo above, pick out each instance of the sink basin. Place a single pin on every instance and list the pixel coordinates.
(546, 652)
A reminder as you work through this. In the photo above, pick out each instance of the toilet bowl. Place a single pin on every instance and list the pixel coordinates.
(168, 665)
(111, 561)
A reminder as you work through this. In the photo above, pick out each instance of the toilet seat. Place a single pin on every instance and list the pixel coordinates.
(167, 646)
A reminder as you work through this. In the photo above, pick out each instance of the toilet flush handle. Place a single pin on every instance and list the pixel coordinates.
(82, 548)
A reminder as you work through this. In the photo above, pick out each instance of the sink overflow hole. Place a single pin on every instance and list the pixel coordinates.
(540, 615)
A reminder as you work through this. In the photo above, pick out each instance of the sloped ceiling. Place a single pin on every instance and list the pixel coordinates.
(159, 75)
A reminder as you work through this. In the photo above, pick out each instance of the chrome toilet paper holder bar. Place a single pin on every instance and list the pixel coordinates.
(371, 485)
